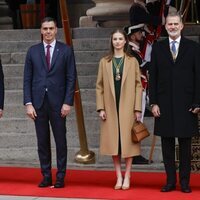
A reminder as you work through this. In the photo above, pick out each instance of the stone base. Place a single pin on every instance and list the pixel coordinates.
(87, 21)
(6, 23)
(110, 24)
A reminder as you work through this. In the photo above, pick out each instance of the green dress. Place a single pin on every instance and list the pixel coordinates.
(117, 84)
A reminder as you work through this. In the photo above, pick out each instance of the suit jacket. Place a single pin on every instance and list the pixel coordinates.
(59, 80)
(175, 87)
(1, 87)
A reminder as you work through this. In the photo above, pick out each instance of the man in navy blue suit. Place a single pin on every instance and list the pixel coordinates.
(49, 86)
(1, 90)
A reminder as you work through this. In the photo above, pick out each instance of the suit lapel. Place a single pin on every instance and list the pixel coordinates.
(125, 70)
(110, 74)
(110, 77)
(55, 54)
(42, 53)
(182, 49)
(167, 50)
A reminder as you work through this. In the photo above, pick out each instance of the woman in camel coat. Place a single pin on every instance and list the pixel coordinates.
(118, 98)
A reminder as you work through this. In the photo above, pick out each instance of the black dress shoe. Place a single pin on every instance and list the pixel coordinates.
(168, 188)
(140, 160)
(186, 189)
(59, 183)
(47, 181)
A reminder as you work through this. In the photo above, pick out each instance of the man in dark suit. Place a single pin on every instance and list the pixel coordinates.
(49, 85)
(1, 90)
(175, 98)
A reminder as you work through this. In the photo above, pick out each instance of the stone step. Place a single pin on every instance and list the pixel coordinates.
(16, 96)
(80, 56)
(34, 34)
(93, 44)
(28, 138)
(86, 82)
(189, 29)
(23, 35)
(28, 157)
(18, 111)
(5, 24)
(17, 70)
(78, 45)
(20, 126)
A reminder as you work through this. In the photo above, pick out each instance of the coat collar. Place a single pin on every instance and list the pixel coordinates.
(110, 73)
(182, 49)
(55, 54)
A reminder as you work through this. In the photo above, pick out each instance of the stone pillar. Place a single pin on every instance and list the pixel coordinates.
(107, 13)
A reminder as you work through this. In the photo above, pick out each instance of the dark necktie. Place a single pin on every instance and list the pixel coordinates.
(48, 56)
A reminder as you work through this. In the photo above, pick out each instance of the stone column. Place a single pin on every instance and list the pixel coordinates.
(107, 13)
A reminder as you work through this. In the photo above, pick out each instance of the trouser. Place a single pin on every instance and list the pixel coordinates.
(46, 115)
(168, 151)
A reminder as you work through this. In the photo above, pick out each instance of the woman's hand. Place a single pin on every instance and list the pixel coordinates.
(102, 114)
(138, 116)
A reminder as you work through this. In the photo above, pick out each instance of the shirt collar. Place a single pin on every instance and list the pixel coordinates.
(52, 44)
(177, 40)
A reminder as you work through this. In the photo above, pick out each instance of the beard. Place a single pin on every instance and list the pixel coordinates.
(174, 33)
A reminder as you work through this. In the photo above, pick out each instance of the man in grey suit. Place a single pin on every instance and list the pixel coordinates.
(1, 89)
(49, 86)
(175, 98)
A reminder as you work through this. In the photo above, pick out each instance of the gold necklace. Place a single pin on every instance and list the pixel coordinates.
(117, 67)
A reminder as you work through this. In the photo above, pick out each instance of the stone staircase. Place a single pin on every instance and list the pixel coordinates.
(5, 16)
(17, 134)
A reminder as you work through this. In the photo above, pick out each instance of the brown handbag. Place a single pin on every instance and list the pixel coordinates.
(139, 132)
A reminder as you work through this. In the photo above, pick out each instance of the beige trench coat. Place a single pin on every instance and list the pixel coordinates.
(130, 101)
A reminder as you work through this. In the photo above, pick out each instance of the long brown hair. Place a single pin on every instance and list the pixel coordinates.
(111, 51)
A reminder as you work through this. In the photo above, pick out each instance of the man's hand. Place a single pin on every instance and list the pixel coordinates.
(155, 110)
(65, 110)
(30, 111)
(1, 113)
(102, 115)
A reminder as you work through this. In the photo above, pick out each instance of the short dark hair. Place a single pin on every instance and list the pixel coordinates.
(48, 19)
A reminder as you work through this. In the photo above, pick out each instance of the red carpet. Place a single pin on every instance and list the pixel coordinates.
(92, 184)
